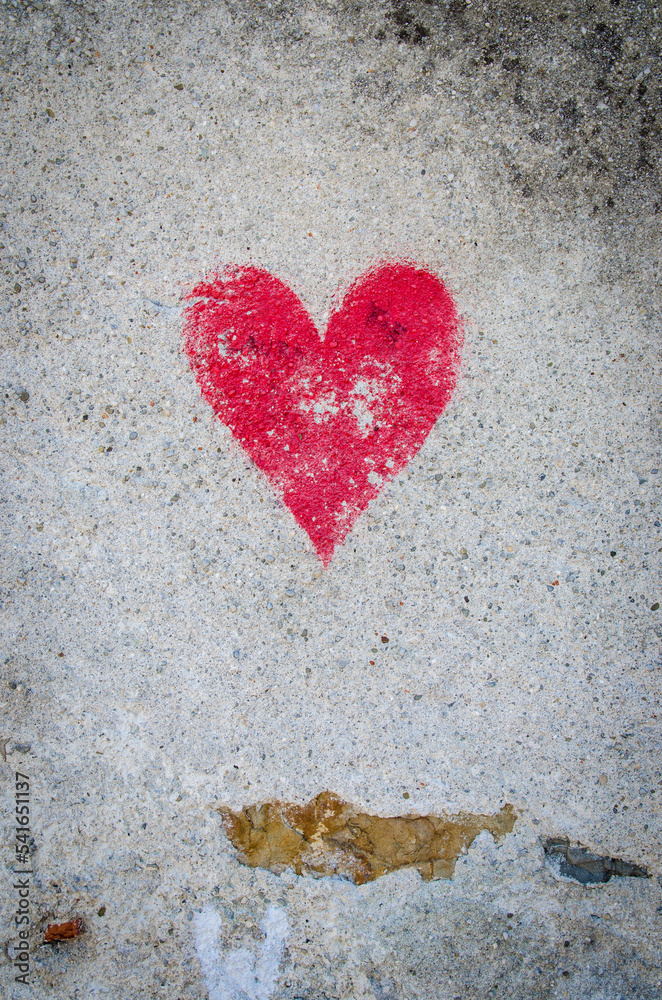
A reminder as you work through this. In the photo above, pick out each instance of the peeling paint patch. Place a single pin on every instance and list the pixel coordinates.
(330, 837)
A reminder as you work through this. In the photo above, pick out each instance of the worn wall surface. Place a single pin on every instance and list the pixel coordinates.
(171, 642)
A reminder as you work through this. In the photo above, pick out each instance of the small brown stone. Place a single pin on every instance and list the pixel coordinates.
(62, 932)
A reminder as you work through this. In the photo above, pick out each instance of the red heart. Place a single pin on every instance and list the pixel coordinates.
(328, 421)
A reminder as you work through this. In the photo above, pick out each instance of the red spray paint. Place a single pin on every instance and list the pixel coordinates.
(328, 421)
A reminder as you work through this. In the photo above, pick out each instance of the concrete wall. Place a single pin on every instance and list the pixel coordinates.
(173, 646)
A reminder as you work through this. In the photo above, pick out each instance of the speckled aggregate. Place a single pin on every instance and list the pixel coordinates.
(170, 640)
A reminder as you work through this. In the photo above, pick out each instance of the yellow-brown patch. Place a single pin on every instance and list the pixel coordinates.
(330, 837)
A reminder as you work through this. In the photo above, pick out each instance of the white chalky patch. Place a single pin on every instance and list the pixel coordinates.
(364, 417)
(365, 392)
(240, 975)
(322, 406)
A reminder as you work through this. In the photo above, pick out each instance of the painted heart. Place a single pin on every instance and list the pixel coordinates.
(328, 421)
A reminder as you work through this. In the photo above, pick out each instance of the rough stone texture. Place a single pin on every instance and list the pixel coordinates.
(170, 641)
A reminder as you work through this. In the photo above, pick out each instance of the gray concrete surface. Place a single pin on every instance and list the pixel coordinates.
(170, 641)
